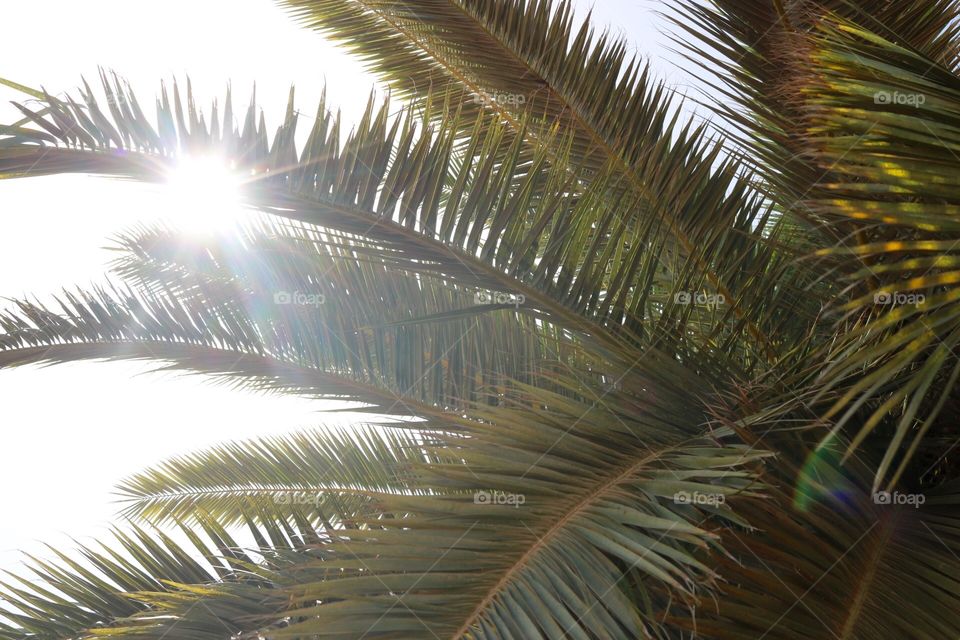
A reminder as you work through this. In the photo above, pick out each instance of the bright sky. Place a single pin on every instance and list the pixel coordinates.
(71, 432)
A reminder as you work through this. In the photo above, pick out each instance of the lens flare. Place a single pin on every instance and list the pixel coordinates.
(822, 480)
(204, 194)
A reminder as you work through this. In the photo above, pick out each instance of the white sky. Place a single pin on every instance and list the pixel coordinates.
(71, 432)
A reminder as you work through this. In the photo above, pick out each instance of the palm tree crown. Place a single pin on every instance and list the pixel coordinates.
(628, 375)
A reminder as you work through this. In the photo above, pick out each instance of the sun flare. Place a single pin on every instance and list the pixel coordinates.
(204, 193)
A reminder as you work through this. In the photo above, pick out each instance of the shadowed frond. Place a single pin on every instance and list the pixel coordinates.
(755, 53)
(850, 108)
(535, 510)
(887, 128)
(123, 580)
(892, 556)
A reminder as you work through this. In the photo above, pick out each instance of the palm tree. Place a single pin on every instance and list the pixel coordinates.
(628, 376)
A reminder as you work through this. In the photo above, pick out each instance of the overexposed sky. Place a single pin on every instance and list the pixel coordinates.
(71, 432)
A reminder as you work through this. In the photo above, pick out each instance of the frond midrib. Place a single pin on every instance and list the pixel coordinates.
(179, 496)
(868, 575)
(365, 390)
(553, 531)
(600, 142)
(576, 320)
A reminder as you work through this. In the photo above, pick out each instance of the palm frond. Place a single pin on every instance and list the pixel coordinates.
(482, 211)
(870, 182)
(112, 590)
(755, 55)
(331, 476)
(418, 330)
(218, 340)
(893, 164)
(527, 61)
(822, 531)
(536, 511)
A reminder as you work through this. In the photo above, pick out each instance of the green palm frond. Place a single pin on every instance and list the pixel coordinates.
(482, 211)
(588, 495)
(72, 596)
(423, 197)
(218, 340)
(527, 61)
(339, 473)
(894, 165)
(873, 184)
(823, 532)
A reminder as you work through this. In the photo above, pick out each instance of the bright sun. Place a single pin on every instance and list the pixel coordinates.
(204, 193)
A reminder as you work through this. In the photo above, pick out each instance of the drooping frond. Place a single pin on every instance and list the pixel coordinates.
(331, 476)
(548, 515)
(125, 580)
(755, 52)
(850, 108)
(891, 557)
(219, 340)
